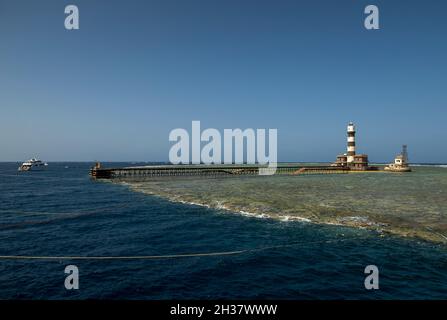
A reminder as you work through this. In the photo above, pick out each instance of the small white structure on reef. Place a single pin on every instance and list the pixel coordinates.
(400, 162)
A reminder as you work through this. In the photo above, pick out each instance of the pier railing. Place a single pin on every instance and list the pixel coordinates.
(208, 170)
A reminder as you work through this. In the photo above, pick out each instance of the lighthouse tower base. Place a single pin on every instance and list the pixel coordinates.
(360, 162)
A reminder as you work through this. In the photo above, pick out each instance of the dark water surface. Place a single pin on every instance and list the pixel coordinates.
(61, 212)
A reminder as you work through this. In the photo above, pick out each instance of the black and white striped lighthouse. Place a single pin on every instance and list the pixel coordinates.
(351, 143)
(350, 159)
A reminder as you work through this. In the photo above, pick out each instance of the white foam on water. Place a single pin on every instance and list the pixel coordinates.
(255, 215)
(286, 218)
(220, 205)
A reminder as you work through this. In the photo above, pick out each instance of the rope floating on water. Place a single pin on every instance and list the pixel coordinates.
(170, 256)
(122, 257)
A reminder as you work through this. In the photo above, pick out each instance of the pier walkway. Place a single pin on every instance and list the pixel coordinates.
(208, 170)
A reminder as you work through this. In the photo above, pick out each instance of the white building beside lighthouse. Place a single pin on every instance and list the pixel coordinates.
(350, 158)
(400, 162)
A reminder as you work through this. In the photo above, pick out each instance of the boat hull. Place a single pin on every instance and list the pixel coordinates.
(394, 169)
(32, 168)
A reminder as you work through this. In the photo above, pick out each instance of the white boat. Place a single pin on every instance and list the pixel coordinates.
(33, 164)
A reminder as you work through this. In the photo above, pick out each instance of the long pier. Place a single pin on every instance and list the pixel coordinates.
(208, 170)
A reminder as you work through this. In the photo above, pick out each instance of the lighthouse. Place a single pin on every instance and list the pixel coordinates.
(351, 143)
(350, 159)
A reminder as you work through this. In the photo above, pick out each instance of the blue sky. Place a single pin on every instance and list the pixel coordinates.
(113, 90)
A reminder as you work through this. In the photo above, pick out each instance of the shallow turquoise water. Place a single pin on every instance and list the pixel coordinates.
(407, 204)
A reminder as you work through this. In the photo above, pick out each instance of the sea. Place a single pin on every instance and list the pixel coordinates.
(280, 237)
